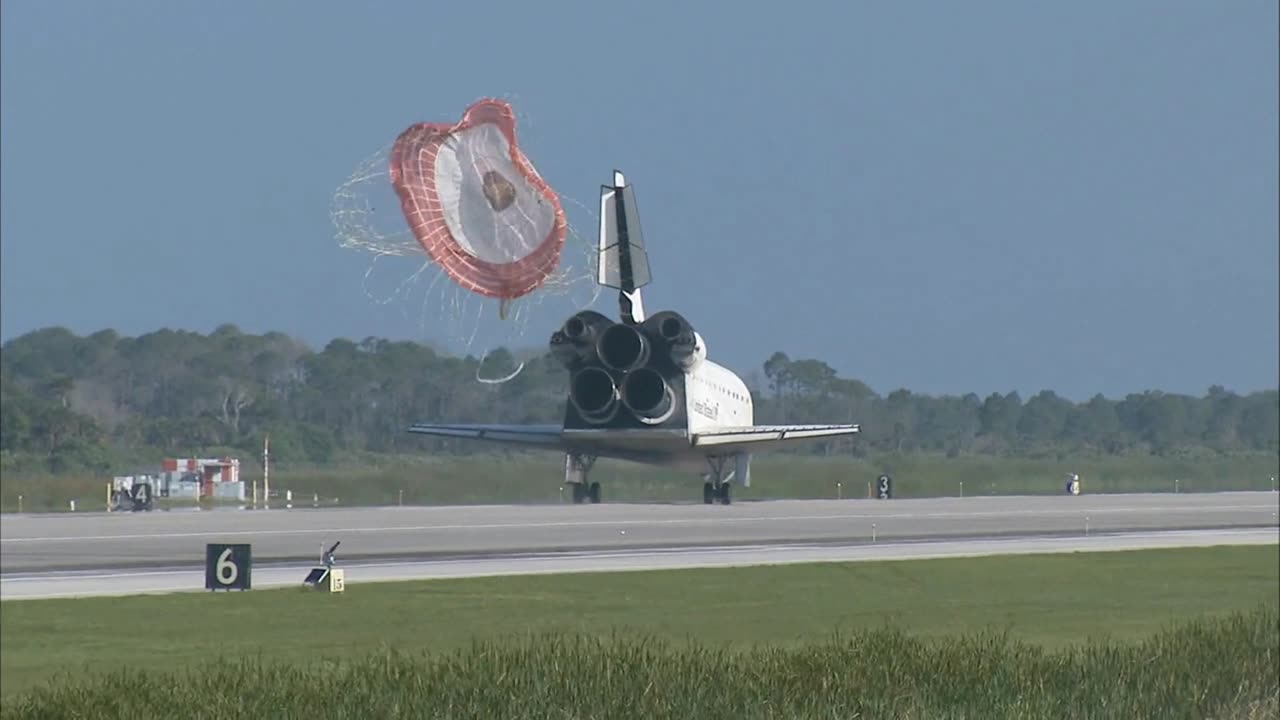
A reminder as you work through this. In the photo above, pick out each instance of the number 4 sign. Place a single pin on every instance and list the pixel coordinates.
(227, 567)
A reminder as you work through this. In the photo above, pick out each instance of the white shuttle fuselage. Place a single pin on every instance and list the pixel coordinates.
(717, 397)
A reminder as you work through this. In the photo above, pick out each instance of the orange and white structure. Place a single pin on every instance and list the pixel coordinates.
(211, 473)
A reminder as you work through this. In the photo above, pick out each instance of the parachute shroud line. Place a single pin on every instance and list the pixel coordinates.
(470, 207)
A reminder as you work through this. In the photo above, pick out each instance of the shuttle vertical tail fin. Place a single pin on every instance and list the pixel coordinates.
(623, 261)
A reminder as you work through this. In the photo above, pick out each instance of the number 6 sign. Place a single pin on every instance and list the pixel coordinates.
(227, 567)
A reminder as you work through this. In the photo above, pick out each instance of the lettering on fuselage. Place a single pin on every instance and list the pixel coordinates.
(711, 411)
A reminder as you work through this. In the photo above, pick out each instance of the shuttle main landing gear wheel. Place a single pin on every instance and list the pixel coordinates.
(583, 492)
(711, 494)
(576, 469)
(716, 487)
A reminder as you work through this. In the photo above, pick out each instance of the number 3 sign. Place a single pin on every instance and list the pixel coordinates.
(227, 567)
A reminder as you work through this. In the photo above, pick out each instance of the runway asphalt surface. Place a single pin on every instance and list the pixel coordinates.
(87, 583)
(425, 541)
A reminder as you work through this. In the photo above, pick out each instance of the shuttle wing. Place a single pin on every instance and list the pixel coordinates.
(754, 437)
(767, 436)
(611, 442)
(536, 435)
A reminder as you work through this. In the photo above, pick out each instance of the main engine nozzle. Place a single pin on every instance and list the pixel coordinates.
(594, 395)
(623, 347)
(683, 345)
(575, 341)
(648, 396)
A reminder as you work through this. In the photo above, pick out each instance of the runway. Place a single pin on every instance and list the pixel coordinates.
(87, 583)
(148, 552)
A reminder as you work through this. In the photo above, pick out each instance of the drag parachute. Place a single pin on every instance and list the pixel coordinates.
(476, 205)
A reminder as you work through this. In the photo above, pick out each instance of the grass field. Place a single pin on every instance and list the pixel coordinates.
(1221, 668)
(538, 478)
(788, 616)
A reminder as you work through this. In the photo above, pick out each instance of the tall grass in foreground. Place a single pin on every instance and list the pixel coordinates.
(1227, 667)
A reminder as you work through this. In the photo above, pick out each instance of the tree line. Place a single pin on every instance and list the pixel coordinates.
(71, 403)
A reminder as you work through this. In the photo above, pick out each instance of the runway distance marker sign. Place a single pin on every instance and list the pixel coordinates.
(228, 566)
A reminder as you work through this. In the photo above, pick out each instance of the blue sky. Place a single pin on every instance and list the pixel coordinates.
(948, 197)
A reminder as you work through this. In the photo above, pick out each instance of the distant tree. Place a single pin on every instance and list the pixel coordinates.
(69, 402)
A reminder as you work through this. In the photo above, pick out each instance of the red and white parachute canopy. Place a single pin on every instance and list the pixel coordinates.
(475, 203)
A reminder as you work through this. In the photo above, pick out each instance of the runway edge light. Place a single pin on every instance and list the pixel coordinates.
(326, 577)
